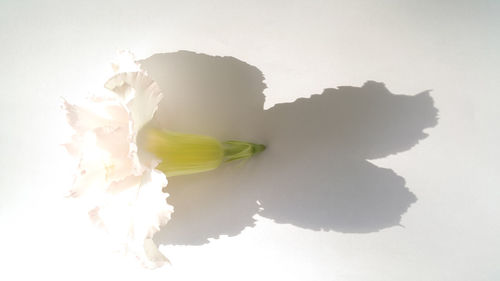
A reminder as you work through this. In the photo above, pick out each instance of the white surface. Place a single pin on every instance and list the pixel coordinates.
(62, 48)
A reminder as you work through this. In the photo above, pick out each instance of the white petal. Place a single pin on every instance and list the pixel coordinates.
(93, 114)
(121, 194)
(140, 94)
(125, 62)
(151, 208)
(135, 214)
(153, 256)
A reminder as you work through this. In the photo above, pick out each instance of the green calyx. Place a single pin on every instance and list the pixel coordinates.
(234, 150)
(183, 154)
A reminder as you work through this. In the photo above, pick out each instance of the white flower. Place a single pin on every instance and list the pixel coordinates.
(123, 193)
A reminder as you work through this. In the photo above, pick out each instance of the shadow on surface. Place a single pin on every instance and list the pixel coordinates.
(315, 172)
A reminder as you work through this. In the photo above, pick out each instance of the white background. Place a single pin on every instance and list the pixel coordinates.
(51, 49)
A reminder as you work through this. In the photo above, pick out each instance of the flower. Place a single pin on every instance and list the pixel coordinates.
(122, 192)
(122, 165)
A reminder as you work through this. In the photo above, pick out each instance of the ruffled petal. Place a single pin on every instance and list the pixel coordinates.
(135, 88)
(93, 116)
(122, 194)
(134, 215)
(140, 94)
(125, 62)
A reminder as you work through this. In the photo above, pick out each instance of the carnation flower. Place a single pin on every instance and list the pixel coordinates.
(122, 192)
(120, 181)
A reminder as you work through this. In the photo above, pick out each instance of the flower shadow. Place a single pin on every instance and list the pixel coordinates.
(315, 173)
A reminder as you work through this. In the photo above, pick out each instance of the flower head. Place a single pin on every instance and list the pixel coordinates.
(120, 183)
(123, 193)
